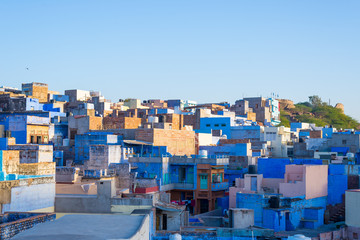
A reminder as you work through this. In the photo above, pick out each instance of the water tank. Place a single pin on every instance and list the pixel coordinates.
(175, 236)
(298, 237)
(274, 202)
(66, 142)
(153, 119)
(203, 153)
(252, 169)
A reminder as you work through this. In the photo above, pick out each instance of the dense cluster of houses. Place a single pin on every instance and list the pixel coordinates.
(171, 169)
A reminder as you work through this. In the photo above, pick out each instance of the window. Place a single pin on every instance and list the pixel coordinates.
(343, 141)
(216, 125)
(207, 125)
(223, 125)
(38, 139)
(203, 181)
(182, 174)
(355, 236)
(257, 105)
(32, 139)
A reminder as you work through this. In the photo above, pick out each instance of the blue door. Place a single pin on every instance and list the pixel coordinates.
(253, 183)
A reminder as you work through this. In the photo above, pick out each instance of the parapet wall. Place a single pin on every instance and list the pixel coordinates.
(14, 223)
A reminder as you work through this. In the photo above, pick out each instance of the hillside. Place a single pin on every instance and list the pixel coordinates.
(318, 112)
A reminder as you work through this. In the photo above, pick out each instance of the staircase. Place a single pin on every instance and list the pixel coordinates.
(339, 215)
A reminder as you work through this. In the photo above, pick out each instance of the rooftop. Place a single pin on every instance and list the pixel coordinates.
(89, 227)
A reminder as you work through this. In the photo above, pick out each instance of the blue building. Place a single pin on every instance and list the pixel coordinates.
(283, 214)
(238, 149)
(18, 124)
(83, 142)
(216, 123)
(184, 178)
(246, 132)
(338, 183)
(272, 167)
(61, 98)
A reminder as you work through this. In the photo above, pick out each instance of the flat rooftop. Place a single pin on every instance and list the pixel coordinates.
(85, 226)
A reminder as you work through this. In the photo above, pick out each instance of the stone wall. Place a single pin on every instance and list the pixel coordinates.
(43, 168)
(14, 223)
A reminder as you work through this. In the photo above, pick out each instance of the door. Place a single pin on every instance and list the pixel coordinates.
(253, 183)
(203, 181)
(204, 205)
(164, 222)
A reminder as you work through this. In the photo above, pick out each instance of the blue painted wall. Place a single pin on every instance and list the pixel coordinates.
(245, 132)
(32, 104)
(238, 149)
(264, 217)
(337, 185)
(272, 167)
(17, 124)
(308, 161)
(231, 175)
(274, 219)
(294, 126)
(216, 123)
(327, 132)
(222, 203)
(61, 98)
(83, 142)
(3, 143)
(252, 201)
(58, 157)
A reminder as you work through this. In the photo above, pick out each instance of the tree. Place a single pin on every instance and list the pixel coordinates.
(315, 101)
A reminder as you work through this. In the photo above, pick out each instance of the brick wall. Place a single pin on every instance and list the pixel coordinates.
(111, 122)
(11, 161)
(190, 120)
(130, 123)
(40, 92)
(14, 223)
(179, 142)
(95, 123)
(42, 168)
(121, 122)
(146, 135)
(316, 134)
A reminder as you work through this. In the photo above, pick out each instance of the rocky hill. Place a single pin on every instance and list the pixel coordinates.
(318, 112)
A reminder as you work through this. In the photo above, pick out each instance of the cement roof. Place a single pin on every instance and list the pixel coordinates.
(86, 226)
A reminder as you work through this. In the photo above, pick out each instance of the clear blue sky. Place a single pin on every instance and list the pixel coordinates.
(201, 50)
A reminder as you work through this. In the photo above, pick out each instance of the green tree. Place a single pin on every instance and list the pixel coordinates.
(315, 101)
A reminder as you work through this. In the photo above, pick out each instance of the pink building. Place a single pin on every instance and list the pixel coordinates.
(310, 181)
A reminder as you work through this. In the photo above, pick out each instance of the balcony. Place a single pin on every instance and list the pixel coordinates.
(219, 186)
(184, 186)
(177, 186)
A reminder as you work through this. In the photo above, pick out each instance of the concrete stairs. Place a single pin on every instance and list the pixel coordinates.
(339, 214)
